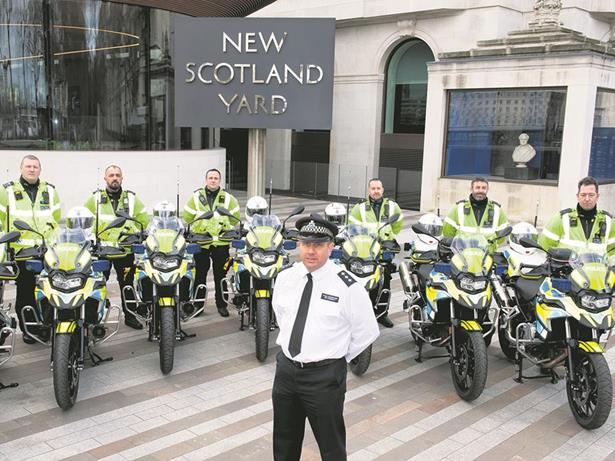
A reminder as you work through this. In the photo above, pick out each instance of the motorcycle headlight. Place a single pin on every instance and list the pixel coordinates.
(66, 282)
(165, 263)
(359, 268)
(262, 258)
(469, 284)
(593, 303)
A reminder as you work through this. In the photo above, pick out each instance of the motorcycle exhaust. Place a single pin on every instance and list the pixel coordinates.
(556, 361)
(408, 281)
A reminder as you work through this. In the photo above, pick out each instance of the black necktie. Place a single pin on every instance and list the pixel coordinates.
(294, 345)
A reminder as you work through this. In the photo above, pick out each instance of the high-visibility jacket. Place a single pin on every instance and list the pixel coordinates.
(565, 230)
(461, 219)
(364, 213)
(128, 202)
(197, 205)
(43, 214)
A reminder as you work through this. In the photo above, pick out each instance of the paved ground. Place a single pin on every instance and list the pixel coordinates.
(216, 404)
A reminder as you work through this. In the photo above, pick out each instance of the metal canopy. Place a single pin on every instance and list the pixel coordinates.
(198, 8)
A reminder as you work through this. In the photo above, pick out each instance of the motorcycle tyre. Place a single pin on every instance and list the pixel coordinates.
(360, 363)
(604, 391)
(477, 342)
(263, 322)
(167, 339)
(65, 373)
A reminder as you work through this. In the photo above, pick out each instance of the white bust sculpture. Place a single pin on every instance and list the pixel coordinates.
(524, 152)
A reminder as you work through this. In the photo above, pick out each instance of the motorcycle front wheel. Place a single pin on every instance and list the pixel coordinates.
(360, 363)
(591, 395)
(263, 322)
(167, 339)
(66, 369)
(469, 364)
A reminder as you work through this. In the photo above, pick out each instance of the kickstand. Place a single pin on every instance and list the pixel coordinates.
(419, 359)
(519, 378)
(8, 386)
(183, 335)
(97, 359)
(554, 377)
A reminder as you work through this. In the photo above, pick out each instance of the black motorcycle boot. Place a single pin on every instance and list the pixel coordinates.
(385, 321)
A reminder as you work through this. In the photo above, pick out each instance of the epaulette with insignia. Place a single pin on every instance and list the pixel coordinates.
(8, 184)
(50, 185)
(346, 278)
(128, 191)
(198, 189)
(565, 211)
(496, 203)
(607, 213)
(461, 201)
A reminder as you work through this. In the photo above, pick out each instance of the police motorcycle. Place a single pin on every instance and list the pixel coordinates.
(71, 300)
(365, 251)
(260, 256)
(563, 316)
(8, 271)
(449, 300)
(514, 286)
(164, 277)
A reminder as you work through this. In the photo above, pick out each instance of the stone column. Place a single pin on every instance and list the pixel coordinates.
(256, 161)
(576, 140)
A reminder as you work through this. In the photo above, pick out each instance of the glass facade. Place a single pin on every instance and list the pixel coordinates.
(484, 127)
(87, 75)
(602, 159)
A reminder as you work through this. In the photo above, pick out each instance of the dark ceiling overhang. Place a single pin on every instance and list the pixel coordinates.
(200, 8)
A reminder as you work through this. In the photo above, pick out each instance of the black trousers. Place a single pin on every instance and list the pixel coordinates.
(125, 273)
(386, 285)
(26, 281)
(315, 393)
(219, 257)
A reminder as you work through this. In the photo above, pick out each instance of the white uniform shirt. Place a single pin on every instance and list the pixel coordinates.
(340, 320)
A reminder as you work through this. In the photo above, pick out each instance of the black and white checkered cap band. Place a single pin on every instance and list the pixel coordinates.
(313, 228)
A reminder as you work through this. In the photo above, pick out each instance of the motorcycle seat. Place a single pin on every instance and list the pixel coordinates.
(526, 289)
(423, 271)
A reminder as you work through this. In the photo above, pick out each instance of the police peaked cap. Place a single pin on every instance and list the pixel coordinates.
(315, 228)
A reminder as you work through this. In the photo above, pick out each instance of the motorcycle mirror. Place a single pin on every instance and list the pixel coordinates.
(10, 237)
(560, 254)
(23, 226)
(418, 228)
(503, 233)
(225, 212)
(529, 243)
(123, 214)
(117, 222)
(296, 211)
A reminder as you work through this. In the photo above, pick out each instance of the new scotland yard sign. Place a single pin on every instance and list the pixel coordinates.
(254, 72)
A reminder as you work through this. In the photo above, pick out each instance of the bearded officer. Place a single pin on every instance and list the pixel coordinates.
(104, 204)
(326, 319)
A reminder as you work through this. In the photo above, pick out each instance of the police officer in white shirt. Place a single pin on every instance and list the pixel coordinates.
(326, 319)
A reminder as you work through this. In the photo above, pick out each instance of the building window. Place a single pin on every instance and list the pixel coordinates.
(485, 128)
(406, 88)
(86, 75)
(602, 159)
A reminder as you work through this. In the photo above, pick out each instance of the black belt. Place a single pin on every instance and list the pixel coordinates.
(320, 363)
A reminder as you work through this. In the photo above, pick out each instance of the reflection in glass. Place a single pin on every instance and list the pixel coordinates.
(98, 75)
(602, 159)
(105, 83)
(23, 87)
(484, 127)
